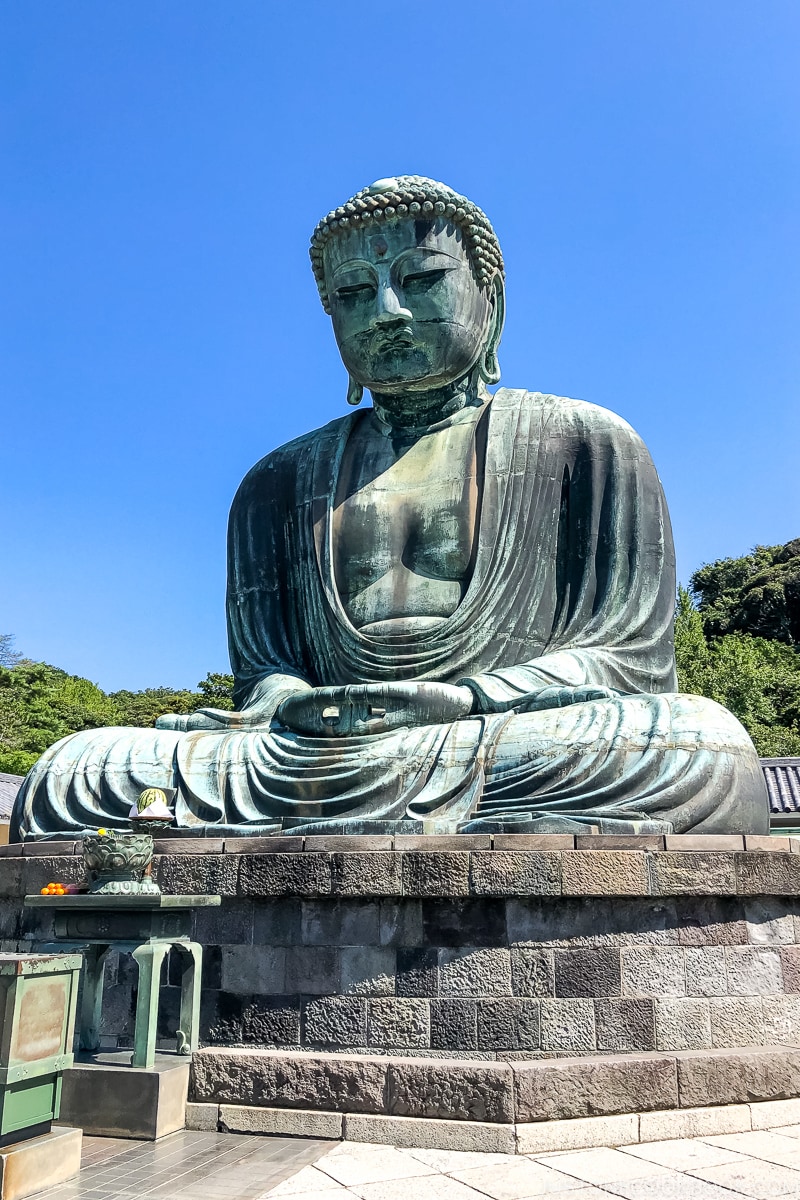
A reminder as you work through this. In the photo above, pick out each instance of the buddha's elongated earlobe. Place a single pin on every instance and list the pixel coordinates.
(355, 391)
(488, 365)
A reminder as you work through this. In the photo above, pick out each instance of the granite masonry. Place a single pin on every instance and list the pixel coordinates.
(503, 948)
(474, 986)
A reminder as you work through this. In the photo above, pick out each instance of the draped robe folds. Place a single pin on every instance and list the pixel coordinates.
(573, 584)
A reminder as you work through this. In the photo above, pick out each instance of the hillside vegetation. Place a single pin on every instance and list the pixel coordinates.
(39, 704)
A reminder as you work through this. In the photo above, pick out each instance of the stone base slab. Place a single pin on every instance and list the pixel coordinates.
(495, 1093)
(107, 1097)
(446, 866)
(38, 1163)
(537, 1137)
(377, 835)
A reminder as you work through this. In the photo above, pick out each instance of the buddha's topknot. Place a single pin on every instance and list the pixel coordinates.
(421, 198)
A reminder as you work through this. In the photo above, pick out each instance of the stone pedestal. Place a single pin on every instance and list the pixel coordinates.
(39, 1163)
(491, 946)
(107, 1097)
(476, 984)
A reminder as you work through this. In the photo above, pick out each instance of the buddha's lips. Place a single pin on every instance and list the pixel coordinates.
(382, 342)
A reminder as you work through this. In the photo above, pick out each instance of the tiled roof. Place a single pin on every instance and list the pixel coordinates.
(782, 777)
(9, 786)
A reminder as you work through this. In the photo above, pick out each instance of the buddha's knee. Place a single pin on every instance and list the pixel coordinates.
(109, 747)
(709, 722)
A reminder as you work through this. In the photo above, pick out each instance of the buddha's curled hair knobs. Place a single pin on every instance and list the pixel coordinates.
(414, 196)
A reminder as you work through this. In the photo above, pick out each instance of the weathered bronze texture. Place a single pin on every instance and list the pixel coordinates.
(145, 926)
(117, 863)
(450, 612)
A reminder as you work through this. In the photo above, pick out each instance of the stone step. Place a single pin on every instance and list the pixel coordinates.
(521, 1137)
(497, 1093)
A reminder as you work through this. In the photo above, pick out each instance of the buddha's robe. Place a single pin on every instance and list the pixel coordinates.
(573, 584)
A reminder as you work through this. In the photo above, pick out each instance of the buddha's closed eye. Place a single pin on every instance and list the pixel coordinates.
(350, 290)
(423, 279)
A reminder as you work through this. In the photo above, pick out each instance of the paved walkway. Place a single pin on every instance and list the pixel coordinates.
(211, 1166)
(761, 1165)
(186, 1166)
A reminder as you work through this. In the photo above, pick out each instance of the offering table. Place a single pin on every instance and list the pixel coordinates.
(145, 926)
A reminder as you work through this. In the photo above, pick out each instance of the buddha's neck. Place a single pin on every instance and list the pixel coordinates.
(412, 413)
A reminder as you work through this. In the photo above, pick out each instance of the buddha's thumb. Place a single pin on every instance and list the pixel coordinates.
(177, 721)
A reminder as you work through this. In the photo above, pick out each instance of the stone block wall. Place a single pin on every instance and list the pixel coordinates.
(511, 948)
(513, 977)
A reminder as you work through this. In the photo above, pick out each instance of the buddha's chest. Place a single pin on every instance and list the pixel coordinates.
(405, 521)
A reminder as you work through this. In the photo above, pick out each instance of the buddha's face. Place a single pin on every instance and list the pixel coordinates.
(408, 314)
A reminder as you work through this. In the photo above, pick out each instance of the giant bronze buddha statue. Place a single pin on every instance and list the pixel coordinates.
(449, 612)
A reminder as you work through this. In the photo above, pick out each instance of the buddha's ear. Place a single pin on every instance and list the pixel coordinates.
(355, 391)
(489, 367)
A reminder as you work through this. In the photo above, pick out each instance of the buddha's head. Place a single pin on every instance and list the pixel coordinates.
(412, 276)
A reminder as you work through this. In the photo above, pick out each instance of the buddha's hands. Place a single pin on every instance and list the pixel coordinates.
(359, 710)
(219, 719)
(363, 709)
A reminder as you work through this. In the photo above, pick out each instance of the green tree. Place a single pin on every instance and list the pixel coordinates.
(12, 727)
(757, 594)
(217, 690)
(40, 704)
(691, 647)
(142, 708)
(758, 679)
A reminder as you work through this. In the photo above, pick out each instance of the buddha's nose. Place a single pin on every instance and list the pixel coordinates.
(389, 309)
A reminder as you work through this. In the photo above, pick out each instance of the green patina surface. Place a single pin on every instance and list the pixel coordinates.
(448, 612)
(145, 926)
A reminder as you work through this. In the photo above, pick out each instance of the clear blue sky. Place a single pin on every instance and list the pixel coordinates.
(164, 164)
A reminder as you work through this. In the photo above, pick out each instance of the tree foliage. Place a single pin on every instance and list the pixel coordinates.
(40, 704)
(757, 594)
(216, 690)
(8, 655)
(758, 679)
(142, 708)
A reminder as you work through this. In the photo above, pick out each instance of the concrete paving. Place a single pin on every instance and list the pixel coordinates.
(760, 1165)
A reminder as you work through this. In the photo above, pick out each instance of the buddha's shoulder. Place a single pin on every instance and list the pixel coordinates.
(287, 460)
(563, 413)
